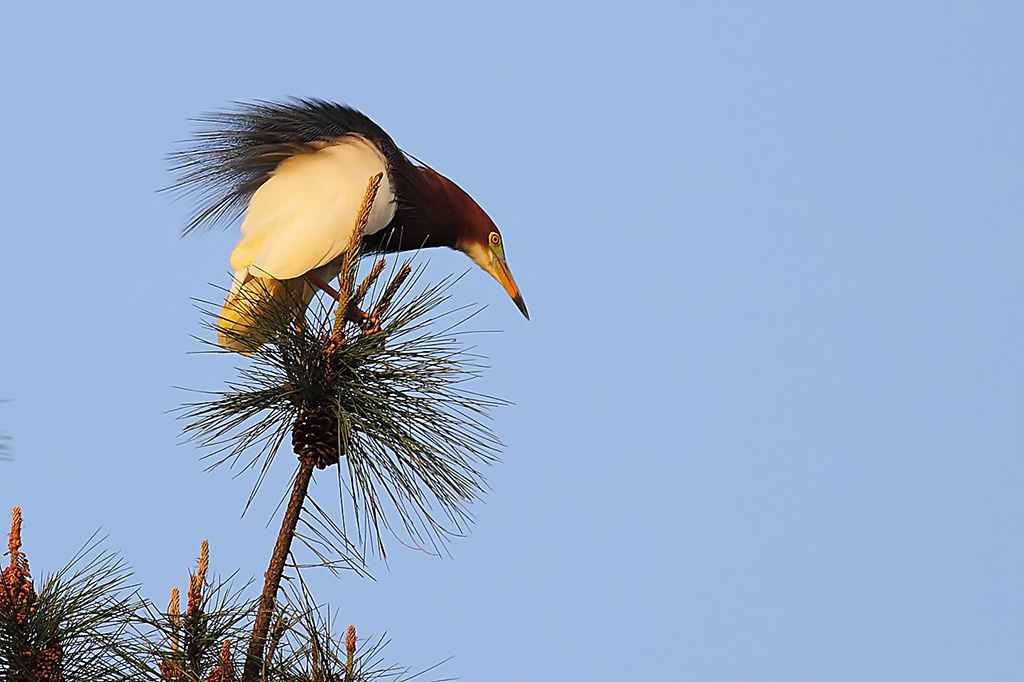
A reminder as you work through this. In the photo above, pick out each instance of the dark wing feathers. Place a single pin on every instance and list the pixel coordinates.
(235, 151)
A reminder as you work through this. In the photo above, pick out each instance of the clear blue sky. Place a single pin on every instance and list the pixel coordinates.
(768, 412)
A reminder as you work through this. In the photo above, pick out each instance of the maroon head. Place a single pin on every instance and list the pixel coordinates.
(434, 211)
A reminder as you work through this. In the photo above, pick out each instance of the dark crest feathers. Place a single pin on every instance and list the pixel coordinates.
(234, 151)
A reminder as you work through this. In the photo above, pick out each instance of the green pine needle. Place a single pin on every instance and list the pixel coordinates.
(312, 648)
(194, 644)
(82, 610)
(414, 438)
(307, 642)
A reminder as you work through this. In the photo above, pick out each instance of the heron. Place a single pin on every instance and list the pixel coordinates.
(296, 172)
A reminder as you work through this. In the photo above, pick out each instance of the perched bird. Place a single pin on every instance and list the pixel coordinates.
(298, 171)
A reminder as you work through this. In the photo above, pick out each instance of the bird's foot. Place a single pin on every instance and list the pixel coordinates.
(369, 323)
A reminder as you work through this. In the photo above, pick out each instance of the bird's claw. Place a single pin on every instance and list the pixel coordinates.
(371, 325)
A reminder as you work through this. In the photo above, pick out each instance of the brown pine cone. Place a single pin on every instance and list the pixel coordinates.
(315, 436)
(46, 664)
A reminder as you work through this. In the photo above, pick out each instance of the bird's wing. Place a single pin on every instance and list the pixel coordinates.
(304, 215)
(235, 151)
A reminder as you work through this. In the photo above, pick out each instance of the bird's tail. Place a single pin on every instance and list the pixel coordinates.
(251, 303)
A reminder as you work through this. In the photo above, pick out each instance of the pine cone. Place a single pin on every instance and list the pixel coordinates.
(17, 595)
(46, 664)
(225, 672)
(315, 436)
(172, 670)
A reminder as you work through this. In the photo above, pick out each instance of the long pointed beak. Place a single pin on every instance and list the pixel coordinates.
(504, 277)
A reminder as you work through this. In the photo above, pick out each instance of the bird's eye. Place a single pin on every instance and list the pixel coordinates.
(494, 238)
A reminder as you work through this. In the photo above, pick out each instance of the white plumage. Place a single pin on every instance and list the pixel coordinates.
(301, 219)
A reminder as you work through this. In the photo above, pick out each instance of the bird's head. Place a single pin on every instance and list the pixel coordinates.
(488, 252)
(475, 234)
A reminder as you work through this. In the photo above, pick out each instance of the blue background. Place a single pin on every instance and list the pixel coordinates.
(767, 420)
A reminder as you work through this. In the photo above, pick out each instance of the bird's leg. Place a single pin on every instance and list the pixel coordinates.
(352, 312)
(318, 282)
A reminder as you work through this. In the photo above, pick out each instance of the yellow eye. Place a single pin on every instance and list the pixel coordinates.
(494, 238)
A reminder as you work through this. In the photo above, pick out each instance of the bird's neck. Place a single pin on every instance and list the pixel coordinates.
(430, 211)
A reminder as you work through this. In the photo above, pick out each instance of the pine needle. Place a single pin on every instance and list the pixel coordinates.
(75, 627)
(413, 439)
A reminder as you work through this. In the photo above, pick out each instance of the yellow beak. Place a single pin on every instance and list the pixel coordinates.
(504, 276)
(492, 259)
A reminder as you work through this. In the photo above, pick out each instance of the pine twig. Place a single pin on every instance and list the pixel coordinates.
(350, 262)
(350, 652)
(392, 289)
(254, 660)
(378, 268)
(268, 600)
(276, 633)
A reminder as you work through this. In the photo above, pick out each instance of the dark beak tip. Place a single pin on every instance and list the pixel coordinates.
(522, 306)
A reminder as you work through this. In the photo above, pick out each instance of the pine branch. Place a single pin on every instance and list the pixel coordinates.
(386, 404)
(391, 406)
(268, 600)
(189, 647)
(350, 263)
(74, 627)
(301, 642)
